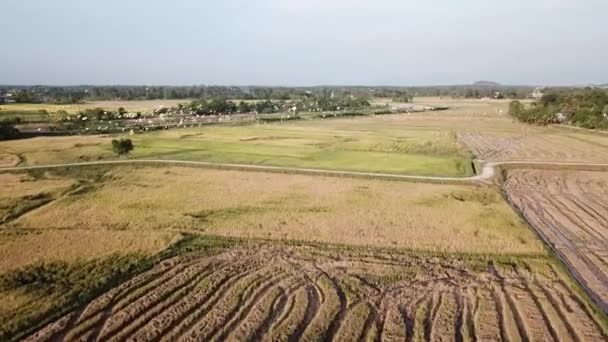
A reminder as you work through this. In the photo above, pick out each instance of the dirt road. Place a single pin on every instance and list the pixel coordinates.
(488, 173)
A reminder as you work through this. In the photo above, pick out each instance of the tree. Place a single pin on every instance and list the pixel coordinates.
(8, 130)
(516, 108)
(244, 107)
(122, 146)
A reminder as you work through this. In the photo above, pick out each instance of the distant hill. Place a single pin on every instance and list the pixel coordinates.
(486, 84)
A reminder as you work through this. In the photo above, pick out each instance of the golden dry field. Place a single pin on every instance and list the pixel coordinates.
(143, 106)
(413, 216)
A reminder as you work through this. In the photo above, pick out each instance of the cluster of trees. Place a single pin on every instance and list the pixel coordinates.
(306, 103)
(77, 94)
(98, 114)
(403, 98)
(8, 130)
(586, 108)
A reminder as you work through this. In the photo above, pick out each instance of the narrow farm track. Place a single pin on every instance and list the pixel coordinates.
(487, 175)
(569, 211)
(293, 293)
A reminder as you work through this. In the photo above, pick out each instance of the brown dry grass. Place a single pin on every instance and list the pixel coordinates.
(19, 185)
(441, 218)
(20, 249)
(56, 150)
(144, 106)
(8, 159)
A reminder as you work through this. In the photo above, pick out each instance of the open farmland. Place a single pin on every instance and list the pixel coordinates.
(415, 216)
(23, 195)
(355, 145)
(42, 111)
(288, 256)
(430, 144)
(456, 106)
(569, 210)
(262, 292)
(43, 269)
(551, 145)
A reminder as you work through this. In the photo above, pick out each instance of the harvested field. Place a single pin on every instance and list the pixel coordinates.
(569, 209)
(551, 145)
(303, 293)
(415, 216)
(33, 109)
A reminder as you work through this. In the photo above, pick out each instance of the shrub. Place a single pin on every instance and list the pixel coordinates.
(122, 146)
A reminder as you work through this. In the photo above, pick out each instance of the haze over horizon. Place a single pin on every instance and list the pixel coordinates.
(303, 43)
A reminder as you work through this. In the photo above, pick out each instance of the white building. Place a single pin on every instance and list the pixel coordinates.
(537, 93)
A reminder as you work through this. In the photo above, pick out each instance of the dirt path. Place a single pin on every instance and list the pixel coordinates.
(488, 173)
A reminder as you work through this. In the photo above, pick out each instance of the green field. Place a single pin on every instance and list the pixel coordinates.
(362, 144)
(335, 144)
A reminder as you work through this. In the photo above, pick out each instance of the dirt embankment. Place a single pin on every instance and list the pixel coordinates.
(297, 293)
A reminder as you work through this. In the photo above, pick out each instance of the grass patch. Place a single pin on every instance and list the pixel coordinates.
(50, 290)
(54, 288)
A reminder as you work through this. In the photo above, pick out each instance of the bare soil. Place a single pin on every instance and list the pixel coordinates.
(305, 293)
(570, 211)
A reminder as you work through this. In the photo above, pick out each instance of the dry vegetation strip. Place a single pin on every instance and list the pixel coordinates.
(24, 248)
(570, 211)
(295, 293)
(415, 216)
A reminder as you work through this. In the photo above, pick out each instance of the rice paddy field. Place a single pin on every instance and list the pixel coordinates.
(160, 253)
(329, 144)
(294, 293)
(413, 216)
(45, 111)
(569, 209)
(350, 258)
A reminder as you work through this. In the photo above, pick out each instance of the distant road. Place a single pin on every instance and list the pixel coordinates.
(487, 175)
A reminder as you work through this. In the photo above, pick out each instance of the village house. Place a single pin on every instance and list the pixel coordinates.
(537, 93)
(561, 117)
(7, 98)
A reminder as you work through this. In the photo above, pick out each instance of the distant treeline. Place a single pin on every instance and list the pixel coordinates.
(76, 94)
(587, 108)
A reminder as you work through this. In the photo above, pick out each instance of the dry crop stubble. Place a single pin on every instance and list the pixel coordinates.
(275, 292)
(568, 209)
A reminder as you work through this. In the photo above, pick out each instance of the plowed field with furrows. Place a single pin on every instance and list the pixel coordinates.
(535, 147)
(570, 210)
(305, 293)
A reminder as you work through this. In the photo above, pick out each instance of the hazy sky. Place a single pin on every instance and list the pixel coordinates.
(303, 42)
